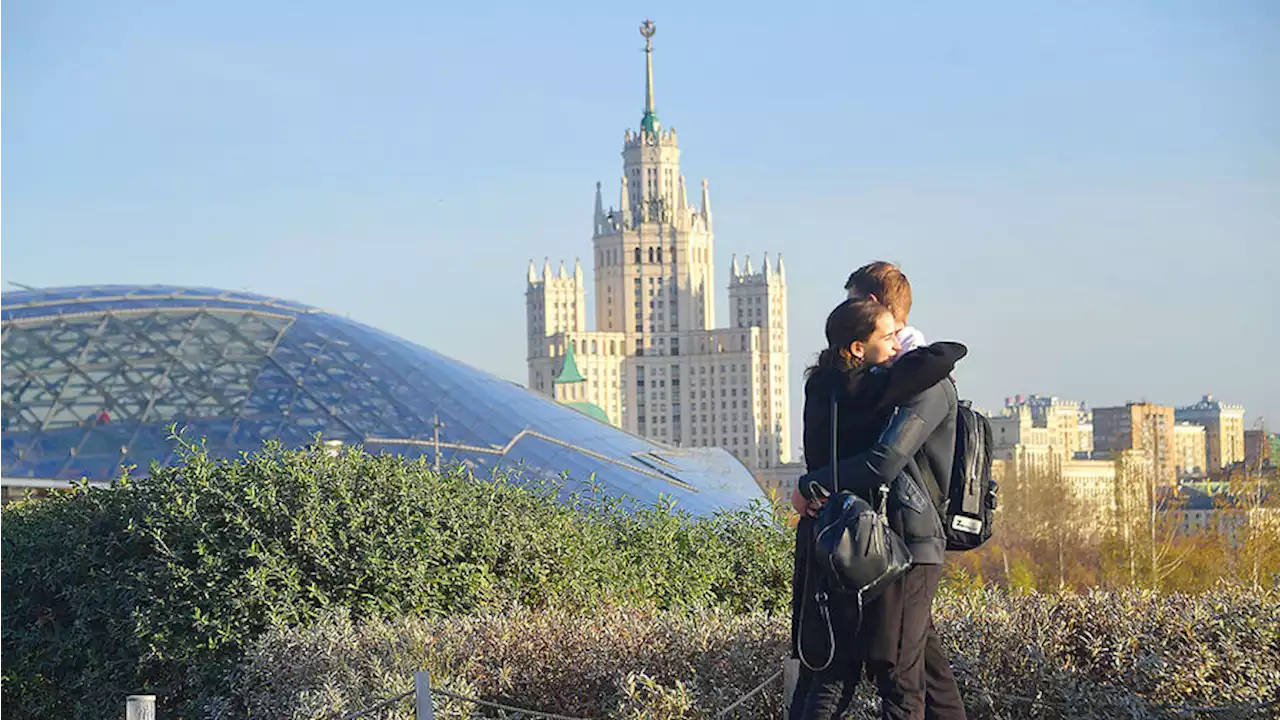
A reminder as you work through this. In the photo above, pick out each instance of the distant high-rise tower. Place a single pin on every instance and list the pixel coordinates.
(656, 364)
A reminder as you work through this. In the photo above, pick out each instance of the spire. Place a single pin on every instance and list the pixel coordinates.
(649, 123)
(577, 271)
(563, 274)
(533, 274)
(767, 269)
(706, 205)
(736, 272)
(782, 271)
(569, 373)
(682, 201)
(624, 203)
(748, 269)
(600, 219)
(546, 270)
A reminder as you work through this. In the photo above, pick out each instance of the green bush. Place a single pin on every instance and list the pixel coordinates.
(1129, 654)
(159, 584)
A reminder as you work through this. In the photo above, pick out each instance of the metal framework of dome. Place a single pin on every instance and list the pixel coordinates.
(94, 377)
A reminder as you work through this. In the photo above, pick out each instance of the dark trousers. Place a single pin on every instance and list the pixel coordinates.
(898, 648)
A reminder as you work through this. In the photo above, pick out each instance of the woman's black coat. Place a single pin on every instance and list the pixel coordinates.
(865, 399)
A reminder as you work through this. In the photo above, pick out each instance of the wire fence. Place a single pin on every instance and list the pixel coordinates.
(519, 712)
(426, 710)
(143, 707)
(740, 701)
(1238, 709)
(384, 705)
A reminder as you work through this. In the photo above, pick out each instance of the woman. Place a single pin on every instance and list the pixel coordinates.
(855, 370)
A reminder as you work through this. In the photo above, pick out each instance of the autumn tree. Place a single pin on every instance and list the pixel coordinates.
(1043, 527)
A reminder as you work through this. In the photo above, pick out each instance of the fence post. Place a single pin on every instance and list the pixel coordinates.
(140, 707)
(422, 695)
(790, 676)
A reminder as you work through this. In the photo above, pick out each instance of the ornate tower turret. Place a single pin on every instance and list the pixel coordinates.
(656, 239)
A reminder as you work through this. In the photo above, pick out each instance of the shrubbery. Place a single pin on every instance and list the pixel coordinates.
(1131, 654)
(611, 662)
(159, 584)
(293, 582)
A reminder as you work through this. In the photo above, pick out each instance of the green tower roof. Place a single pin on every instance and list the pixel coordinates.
(590, 409)
(649, 123)
(569, 373)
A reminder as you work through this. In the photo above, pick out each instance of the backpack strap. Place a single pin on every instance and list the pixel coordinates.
(821, 599)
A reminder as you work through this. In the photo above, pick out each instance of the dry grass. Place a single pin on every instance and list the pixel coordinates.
(1123, 654)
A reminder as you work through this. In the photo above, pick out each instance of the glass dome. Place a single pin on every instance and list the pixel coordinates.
(95, 376)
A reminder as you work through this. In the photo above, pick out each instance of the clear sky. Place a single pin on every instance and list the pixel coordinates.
(1086, 193)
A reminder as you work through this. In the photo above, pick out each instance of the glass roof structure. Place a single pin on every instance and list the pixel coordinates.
(93, 378)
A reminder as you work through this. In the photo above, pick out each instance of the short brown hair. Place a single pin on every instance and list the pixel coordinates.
(887, 282)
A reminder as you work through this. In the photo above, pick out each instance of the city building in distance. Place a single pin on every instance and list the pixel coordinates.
(95, 377)
(1045, 421)
(1113, 460)
(1258, 449)
(1047, 439)
(1189, 450)
(1224, 430)
(656, 364)
(1141, 426)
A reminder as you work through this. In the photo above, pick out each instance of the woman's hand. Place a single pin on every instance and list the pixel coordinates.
(808, 508)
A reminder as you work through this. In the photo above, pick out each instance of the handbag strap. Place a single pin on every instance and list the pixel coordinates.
(835, 440)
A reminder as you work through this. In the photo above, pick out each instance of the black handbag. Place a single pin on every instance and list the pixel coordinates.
(856, 550)
(853, 544)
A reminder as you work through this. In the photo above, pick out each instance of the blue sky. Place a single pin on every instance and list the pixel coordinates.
(1088, 194)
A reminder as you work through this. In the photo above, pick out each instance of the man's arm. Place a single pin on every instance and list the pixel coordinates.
(917, 371)
(910, 425)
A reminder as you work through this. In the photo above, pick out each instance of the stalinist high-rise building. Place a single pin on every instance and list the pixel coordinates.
(656, 364)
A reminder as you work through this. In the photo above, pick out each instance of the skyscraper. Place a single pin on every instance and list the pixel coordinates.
(656, 364)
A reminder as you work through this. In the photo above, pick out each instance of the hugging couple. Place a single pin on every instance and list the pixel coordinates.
(896, 414)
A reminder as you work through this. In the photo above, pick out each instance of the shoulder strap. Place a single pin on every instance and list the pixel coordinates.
(835, 440)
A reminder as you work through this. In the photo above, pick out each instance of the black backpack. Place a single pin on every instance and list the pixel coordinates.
(972, 499)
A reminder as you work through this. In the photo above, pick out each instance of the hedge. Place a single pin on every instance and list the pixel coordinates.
(294, 582)
(160, 584)
(1125, 654)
